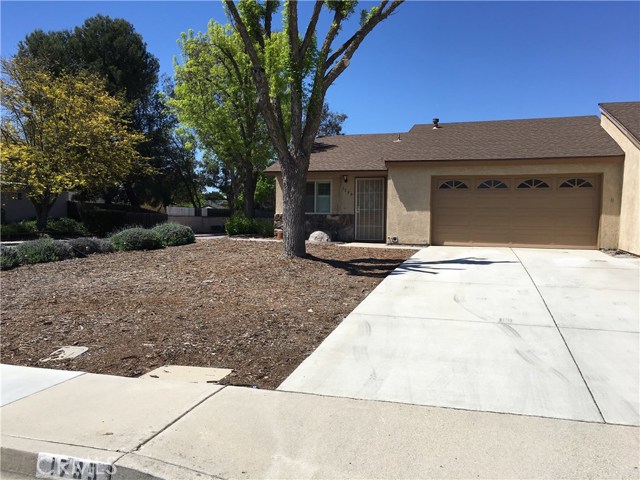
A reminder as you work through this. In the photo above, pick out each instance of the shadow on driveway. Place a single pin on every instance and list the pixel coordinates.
(380, 268)
(421, 266)
(363, 267)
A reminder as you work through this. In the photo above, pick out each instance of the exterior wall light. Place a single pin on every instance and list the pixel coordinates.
(345, 179)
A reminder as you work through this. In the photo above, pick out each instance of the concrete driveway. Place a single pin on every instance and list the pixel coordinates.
(552, 333)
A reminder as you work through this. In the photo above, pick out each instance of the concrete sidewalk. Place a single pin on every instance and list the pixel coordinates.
(149, 429)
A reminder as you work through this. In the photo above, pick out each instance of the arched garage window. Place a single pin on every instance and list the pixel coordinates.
(533, 183)
(493, 183)
(453, 185)
(576, 183)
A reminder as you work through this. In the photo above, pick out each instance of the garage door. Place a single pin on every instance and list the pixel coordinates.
(540, 211)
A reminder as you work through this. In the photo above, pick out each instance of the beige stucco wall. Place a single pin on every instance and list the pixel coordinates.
(630, 204)
(409, 192)
(342, 193)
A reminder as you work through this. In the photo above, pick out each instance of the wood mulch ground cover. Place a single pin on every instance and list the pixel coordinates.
(218, 303)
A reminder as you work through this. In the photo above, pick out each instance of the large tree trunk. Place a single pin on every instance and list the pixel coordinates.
(249, 192)
(42, 207)
(294, 179)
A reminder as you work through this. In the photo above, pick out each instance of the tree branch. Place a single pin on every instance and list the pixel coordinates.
(355, 42)
(331, 60)
(311, 28)
(276, 132)
(331, 35)
(296, 80)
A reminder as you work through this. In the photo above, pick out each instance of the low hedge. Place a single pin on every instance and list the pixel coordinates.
(241, 225)
(84, 246)
(136, 239)
(66, 227)
(26, 229)
(19, 230)
(173, 234)
(43, 250)
(8, 258)
(47, 249)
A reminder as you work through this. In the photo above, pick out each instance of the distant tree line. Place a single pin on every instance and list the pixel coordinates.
(85, 110)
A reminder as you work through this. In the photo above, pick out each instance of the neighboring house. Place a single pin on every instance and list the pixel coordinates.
(552, 182)
(16, 207)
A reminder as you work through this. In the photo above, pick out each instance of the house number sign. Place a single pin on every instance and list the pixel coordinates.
(62, 466)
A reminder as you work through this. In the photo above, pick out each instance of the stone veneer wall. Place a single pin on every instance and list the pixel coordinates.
(339, 227)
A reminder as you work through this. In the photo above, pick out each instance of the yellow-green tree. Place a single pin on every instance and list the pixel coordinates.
(61, 133)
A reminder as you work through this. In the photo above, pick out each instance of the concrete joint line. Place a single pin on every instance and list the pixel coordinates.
(182, 467)
(561, 336)
(179, 417)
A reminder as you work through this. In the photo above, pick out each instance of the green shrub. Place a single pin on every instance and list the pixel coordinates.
(19, 231)
(67, 227)
(104, 245)
(173, 234)
(8, 258)
(43, 250)
(241, 225)
(84, 246)
(238, 225)
(264, 227)
(136, 239)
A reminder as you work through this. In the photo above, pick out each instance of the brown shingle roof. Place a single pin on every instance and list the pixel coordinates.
(627, 114)
(348, 152)
(566, 137)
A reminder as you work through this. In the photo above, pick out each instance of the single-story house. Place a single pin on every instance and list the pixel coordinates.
(17, 207)
(568, 182)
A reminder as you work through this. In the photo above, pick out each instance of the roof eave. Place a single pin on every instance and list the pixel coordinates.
(635, 140)
(610, 156)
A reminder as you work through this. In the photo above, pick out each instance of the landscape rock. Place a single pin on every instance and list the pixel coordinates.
(319, 237)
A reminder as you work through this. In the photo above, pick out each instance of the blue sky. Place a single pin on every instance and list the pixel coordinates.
(459, 61)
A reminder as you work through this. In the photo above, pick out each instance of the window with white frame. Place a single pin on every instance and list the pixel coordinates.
(318, 197)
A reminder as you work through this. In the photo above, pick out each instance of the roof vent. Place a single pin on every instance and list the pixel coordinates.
(397, 140)
(435, 123)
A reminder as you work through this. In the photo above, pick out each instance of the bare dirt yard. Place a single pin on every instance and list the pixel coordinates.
(218, 303)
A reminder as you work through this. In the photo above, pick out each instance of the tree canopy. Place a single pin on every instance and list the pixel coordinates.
(330, 122)
(215, 96)
(309, 72)
(112, 49)
(108, 47)
(61, 133)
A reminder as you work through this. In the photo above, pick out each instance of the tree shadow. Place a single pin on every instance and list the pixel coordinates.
(362, 267)
(422, 266)
(383, 267)
(321, 147)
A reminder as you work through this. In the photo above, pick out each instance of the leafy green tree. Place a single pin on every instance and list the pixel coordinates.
(52, 50)
(113, 50)
(293, 134)
(216, 97)
(61, 133)
(266, 192)
(107, 47)
(330, 122)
